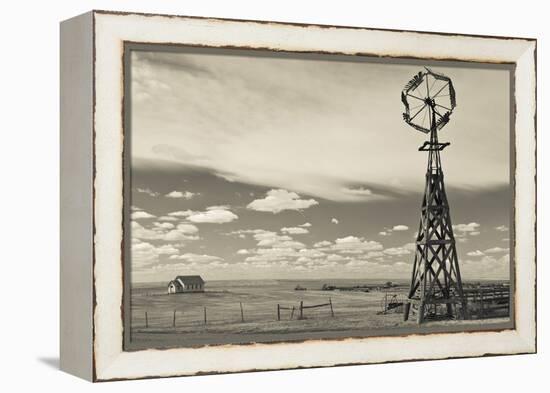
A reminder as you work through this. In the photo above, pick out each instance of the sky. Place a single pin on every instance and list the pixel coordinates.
(250, 166)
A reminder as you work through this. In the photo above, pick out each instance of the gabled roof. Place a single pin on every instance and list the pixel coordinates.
(190, 279)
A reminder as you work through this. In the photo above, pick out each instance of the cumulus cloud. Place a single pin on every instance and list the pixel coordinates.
(295, 230)
(269, 238)
(496, 250)
(324, 243)
(164, 225)
(355, 245)
(476, 253)
(140, 232)
(181, 213)
(305, 225)
(467, 228)
(140, 214)
(147, 191)
(243, 252)
(393, 251)
(375, 254)
(462, 231)
(383, 233)
(502, 228)
(175, 235)
(187, 228)
(278, 254)
(336, 258)
(264, 255)
(400, 228)
(167, 218)
(486, 267)
(145, 253)
(311, 253)
(181, 232)
(213, 217)
(219, 207)
(279, 200)
(334, 220)
(357, 263)
(195, 258)
(179, 194)
(281, 243)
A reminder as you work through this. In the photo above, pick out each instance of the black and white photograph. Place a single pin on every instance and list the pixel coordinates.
(275, 197)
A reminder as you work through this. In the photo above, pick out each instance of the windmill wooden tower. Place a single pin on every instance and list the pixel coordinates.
(436, 286)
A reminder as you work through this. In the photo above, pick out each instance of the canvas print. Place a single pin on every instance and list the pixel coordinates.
(277, 197)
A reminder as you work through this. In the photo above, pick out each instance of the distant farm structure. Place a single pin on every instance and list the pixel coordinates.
(185, 284)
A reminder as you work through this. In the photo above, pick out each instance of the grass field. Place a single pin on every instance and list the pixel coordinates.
(355, 313)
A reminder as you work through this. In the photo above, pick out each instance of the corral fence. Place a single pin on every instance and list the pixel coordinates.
(481, 301)
(299, 310)
(487, 302)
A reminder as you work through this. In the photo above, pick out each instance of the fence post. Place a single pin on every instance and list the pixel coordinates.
(292, 313)
(482, 312)
(278, 312)
(146, 320)
(205, 315)
(301, 309)
(331, 309)
(174, 319)
(242, 313)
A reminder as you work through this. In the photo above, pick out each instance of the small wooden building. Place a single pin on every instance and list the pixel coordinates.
(183, 284)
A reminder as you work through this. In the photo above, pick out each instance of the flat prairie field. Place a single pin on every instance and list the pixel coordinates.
(266, 311)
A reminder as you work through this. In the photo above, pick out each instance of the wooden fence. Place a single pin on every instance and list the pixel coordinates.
(296, 312)
(486, 302)
(301, 309)
(180, 313)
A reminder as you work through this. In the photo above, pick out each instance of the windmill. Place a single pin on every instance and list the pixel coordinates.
(436, 286)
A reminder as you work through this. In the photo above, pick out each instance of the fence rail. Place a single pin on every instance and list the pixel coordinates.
(171, 318)
(301, 309)
(485, 302)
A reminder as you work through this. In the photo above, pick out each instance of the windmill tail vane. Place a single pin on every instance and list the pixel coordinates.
(436, 285)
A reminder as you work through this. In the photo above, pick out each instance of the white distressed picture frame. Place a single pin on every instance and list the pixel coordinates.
(92, 194)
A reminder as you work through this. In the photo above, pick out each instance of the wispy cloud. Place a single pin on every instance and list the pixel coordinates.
(278, 151)
(195, 258)
(147, 191)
